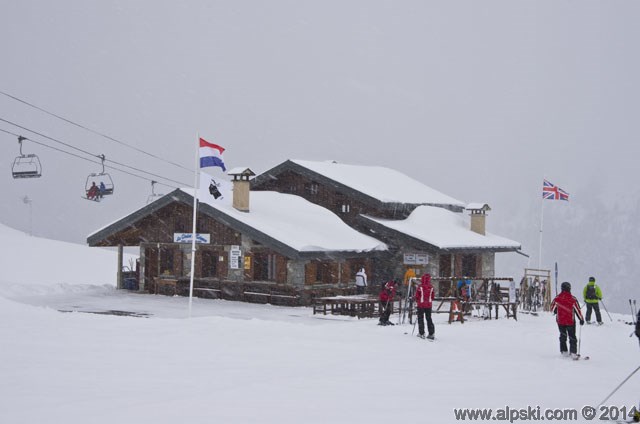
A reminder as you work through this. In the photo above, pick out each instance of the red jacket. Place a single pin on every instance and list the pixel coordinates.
(388, 292)
(425, 293)
(565, 305)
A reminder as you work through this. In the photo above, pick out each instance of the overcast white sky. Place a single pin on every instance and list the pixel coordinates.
(479, 100)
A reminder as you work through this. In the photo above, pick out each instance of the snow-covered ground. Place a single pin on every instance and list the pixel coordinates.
(244, 363)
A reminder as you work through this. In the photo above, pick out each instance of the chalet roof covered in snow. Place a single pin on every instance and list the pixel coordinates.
(445, 230)
(287, 223)
(382, 184)
(294, 221)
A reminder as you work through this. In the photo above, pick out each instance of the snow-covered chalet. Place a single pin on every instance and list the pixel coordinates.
(303, 229)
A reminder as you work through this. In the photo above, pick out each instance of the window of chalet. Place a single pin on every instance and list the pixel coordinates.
(323, 272)
(166, 261)
(209, 264)
(311, 188)
(469, 265)
(341, 203)
(291, 189)
(264, 267)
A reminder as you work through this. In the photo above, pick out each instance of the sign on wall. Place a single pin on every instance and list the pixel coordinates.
(234, 257)
(186, 238)
(416, 259)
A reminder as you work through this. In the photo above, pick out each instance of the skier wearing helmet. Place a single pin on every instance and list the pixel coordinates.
(565, 306)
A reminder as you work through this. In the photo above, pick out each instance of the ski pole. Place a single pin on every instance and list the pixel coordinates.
(633, 317)
(579, 339)
(605, 309)
(617, 388)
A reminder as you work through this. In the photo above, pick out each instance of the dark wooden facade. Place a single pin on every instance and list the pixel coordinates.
(264, 262)
(350, 204)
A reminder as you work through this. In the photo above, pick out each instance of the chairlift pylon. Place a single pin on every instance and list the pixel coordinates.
(98, 184)
(26, 165)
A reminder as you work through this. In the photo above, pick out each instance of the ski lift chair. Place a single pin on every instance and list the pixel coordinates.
(153, 196)
(26, 166)
(100, 179)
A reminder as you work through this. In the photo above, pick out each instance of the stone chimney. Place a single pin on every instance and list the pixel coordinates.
(241, 187)
(478, 217)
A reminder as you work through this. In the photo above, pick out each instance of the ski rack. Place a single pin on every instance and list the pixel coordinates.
(535, 290)
(486, 293)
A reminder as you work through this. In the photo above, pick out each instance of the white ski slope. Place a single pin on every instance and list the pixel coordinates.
(243, 363)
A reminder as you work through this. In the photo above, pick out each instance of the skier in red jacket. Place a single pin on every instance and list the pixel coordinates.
(565, 306)
(387, 293)
(424, 298)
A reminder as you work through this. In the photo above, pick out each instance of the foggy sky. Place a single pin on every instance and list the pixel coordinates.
(478, 99)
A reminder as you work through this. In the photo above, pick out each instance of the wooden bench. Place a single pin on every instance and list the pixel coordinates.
(284, 299)
(362, 306)
(250, 296)
(272, 298)
(207, 293)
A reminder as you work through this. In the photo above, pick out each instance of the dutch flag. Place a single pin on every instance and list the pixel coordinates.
(211, 155)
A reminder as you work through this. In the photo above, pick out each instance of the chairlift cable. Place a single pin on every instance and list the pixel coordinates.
(96, 162)
(93, 131)
(92, 154)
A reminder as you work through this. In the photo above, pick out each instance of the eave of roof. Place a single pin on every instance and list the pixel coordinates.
(181, 196)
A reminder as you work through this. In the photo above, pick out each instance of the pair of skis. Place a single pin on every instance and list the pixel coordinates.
(408, 302)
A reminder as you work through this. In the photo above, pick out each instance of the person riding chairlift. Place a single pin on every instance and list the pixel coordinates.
(92, 193)
(102, 189)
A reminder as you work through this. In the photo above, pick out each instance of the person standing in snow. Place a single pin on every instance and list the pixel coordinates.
(361, 281)
(464, 288)
(592, 295)
(565, 306)
(409, 282)
(409, 274)
(387, 293)
(424, 301)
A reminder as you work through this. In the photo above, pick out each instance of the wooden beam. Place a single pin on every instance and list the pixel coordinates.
(119, 284)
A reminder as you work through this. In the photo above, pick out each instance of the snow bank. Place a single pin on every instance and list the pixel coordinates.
(42, 265)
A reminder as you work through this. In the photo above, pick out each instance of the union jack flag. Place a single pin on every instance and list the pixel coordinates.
(553, 192)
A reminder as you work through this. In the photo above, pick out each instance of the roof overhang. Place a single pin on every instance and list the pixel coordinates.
(290, 165)
(409, 240)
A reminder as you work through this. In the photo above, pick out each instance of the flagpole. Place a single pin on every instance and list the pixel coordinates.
(541, 222)
(195, 214)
